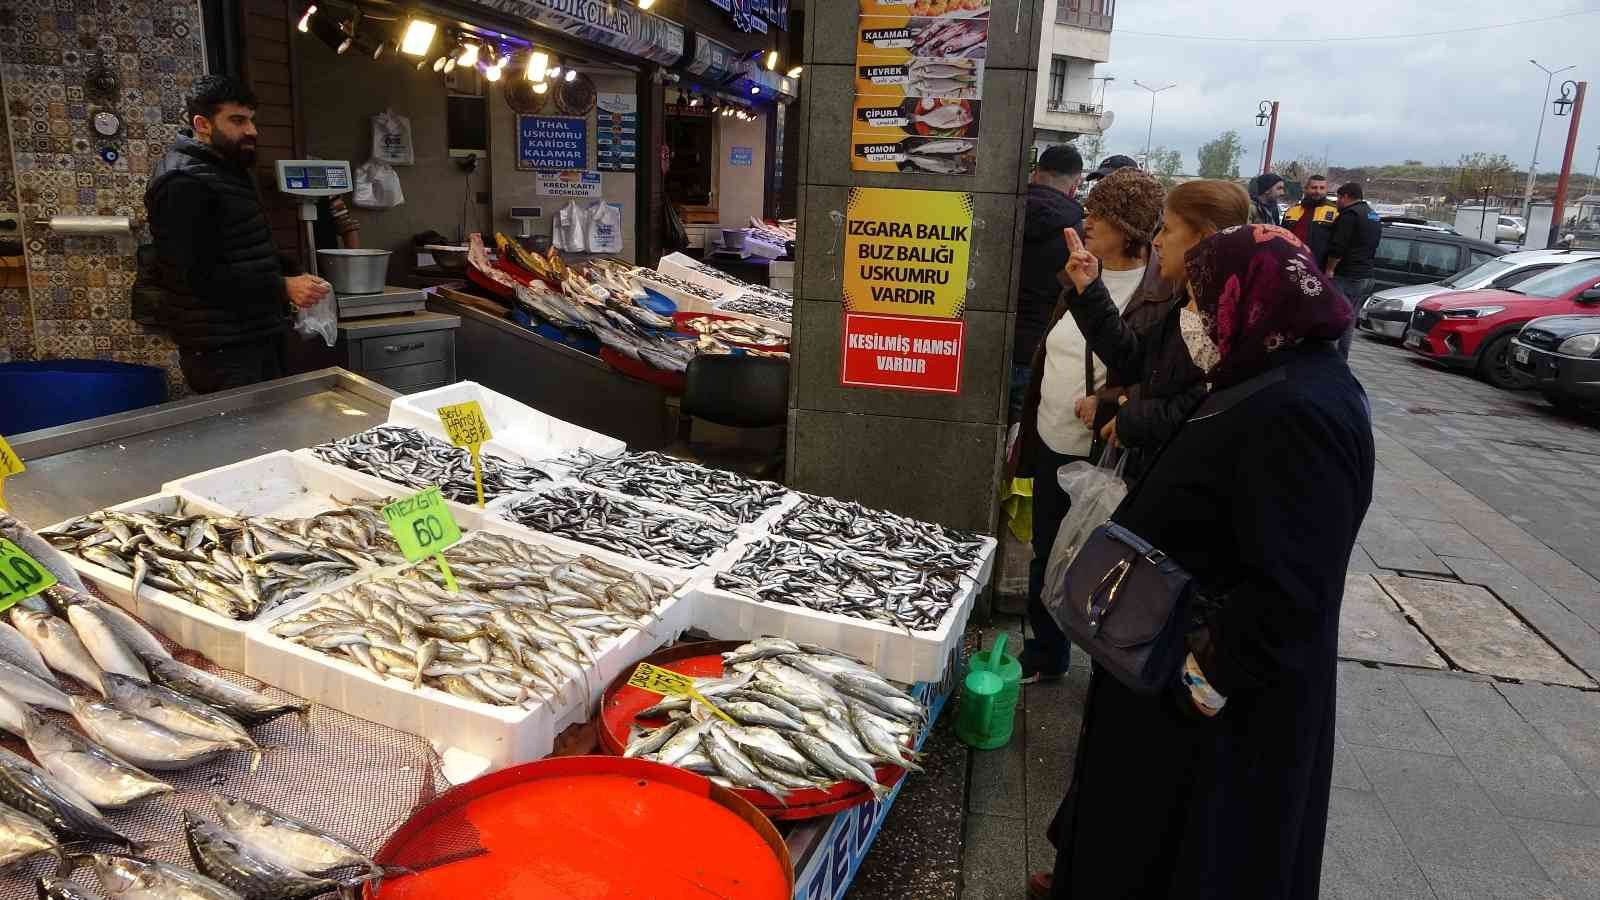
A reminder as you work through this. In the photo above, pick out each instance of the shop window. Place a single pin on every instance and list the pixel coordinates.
(693, 160)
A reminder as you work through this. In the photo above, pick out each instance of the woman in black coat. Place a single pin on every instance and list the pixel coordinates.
(1219, 788)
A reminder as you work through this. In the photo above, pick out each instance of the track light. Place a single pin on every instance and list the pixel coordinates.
(795, 72)
(450, 65)
(538, 63)
(329, 33)
(572, 74)
(493, 72)
(304, 24)
(468, 56)
(772, 60)
(555, 72)
(438, 64)
(418, 37)
(540, 87)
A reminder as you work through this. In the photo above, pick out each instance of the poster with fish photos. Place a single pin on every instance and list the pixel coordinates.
(919, 86)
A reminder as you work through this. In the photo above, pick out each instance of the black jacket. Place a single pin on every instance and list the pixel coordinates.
(1354, 241)
(1316, 228)
(1044, 253)
(1263, 500)
(221, 278)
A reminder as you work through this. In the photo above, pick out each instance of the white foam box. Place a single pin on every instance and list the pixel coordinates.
(898, 654)
(521, 433)
(681, 265)
(698, 298)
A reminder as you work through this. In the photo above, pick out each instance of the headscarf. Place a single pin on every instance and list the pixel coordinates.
(1259, 291)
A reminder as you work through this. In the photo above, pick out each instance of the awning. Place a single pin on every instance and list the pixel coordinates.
(621, 27)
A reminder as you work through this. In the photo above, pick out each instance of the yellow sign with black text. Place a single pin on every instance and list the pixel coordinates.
(906, 252)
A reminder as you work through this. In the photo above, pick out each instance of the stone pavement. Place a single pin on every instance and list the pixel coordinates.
(1468, 742)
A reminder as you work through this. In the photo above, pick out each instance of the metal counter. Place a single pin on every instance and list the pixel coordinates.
(77, 468)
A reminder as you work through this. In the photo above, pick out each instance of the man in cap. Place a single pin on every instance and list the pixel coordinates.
(1268, 191)
(1051, 207)
(1111, 164)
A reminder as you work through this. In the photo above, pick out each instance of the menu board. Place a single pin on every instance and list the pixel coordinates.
(919, 86)
(616, 136)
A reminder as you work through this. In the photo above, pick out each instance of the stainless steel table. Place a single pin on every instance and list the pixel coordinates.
(77, 468)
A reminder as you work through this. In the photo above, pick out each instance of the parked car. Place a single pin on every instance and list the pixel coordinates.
(1511, 230)
(1420, 254)
(1386, 313)
(1561, 356)
(1473, 329)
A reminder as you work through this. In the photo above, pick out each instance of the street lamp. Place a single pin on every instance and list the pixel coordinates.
(1151, 131)
(1527, 194)
(1268, 110)
(1564, 102)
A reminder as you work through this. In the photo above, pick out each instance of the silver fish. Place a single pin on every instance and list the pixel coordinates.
(247, 706)
(16, 650)
(223, 857)
(654, 476)
(103, 644)
(880, 741)
(25, 687)
(173, 710)
(41, 549)
(58, 644)
(407, 456)
(102, 779)
(144, 743)
(31, 790)
(22, 836)
(287, 841)
(132, 878)
(621, 526)
(131, 631)
(62, 889)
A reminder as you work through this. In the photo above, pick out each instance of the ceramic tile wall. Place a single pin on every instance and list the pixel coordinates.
(77, 298)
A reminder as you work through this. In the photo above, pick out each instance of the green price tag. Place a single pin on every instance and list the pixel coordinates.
(657, 680)
(20, 576)
(422, 524)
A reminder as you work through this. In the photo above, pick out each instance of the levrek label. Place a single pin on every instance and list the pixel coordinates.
(906, 252)
(902, 353)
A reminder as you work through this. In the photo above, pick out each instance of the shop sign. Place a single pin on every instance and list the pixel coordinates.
(616, 132)
(713, 60)
(919, 85)
(903, 353)
(742, 156)
(552, 143)
(568, 184)
(604, 22)
(906, 252)
(778, 13)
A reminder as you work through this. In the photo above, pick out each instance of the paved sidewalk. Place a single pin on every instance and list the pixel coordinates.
(1468, 741)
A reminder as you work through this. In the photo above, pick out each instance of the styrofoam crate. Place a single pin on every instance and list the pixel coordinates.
(521, 433)
(681, 265)
(898, 654)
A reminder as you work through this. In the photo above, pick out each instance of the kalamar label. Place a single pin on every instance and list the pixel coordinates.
(885, 117)
(887, 37)
(885, 74)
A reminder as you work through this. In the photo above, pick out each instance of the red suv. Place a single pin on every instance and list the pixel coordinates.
(1473, 329)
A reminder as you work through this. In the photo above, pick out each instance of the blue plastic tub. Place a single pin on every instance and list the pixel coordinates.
(36, 395)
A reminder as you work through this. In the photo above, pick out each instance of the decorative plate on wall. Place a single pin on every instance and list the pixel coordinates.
(521, 98)
(576, 97)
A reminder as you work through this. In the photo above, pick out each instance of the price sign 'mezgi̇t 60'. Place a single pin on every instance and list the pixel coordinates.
(906, 252)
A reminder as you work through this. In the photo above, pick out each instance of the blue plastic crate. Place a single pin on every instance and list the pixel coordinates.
(36, 395)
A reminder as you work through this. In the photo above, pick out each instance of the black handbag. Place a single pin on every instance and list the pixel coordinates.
(1124, 601)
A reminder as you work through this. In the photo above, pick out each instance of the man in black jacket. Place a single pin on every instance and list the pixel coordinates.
(226, 293)
(1051, 208)
(1351, 250)
(1312, 218)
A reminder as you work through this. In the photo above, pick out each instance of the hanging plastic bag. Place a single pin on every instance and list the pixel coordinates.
(377, 186)
(1096, 492)
(391, 139)
(605, 227)
(571, 231)
(320, 320)
(1016, 503)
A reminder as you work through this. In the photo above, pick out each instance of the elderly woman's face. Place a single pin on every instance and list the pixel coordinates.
(1176, 239)
(1102, 238)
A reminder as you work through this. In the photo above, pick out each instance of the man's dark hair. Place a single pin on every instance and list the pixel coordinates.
(1312, 178)
(211, 91)
(1352, 189)
(1061, 159)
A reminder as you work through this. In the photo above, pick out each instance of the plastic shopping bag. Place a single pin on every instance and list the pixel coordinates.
(391, 139)
(377, 186)
(1096, 492)
(1016, 502)
(321, 319)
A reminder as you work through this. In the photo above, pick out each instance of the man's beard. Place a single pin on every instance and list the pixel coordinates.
(242, 151)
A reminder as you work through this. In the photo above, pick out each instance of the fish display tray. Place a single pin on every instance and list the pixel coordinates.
(471, 737)
(898, 654)
(521, 432)
(681, 265)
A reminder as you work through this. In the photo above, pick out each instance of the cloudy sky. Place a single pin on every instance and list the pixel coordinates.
(1360, 102)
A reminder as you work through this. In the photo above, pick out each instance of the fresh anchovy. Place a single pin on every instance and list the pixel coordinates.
(132, 878)
(25, 687)
(16, 650)
(622, 526)
(58, 644)
(86, 767)
(22, 836)
(28, 789)
(833, 524)
(285, 841)
(243, 704)
(222, 856)
(407, 456)
(764, 302)
(843, 582)
(173, 710)
(62, 889)
(146, 744)
(654, 476)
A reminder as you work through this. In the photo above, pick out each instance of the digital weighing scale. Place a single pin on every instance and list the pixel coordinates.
(313, 179)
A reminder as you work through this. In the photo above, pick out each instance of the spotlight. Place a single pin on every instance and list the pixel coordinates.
(330, 33)
(450, 65)
(755, 88)
(438, 64)
(468, 56)
(304, 24)
(772, 60)
(540, 87)
(646, 4)
(538, 62)
(418, 38)
(493, 72)
(795, 72)
(572, 74)
(555, 72)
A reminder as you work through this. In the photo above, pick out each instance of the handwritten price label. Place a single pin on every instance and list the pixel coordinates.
(20, 575)
(422, 524)
(466, 427)
(668, 683)
(10, 464)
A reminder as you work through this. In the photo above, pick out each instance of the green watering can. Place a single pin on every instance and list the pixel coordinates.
(989, 698)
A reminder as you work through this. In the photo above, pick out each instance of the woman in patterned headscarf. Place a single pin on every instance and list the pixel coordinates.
(1219, 788)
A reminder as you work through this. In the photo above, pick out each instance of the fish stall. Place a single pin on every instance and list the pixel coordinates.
(226, 560)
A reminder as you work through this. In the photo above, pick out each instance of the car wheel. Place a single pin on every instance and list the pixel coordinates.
(1494, 365)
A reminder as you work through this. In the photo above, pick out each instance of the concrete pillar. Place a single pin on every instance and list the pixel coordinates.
(933, 456)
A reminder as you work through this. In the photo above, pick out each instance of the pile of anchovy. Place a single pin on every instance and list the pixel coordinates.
(631, 529)
(764, 302)
(654, 476)
(525, 626)
(843, 582)
(234, 566)
(804, 717)
(408, 457)
(834, 524)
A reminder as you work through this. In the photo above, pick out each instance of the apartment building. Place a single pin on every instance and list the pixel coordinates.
(1070, 99)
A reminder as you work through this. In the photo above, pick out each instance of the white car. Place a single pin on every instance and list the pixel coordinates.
(1387, 312)
(1510, 230)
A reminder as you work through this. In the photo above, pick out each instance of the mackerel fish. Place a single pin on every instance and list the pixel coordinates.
(286, 841)
(409, 457)
(221, 856)
(132, 878)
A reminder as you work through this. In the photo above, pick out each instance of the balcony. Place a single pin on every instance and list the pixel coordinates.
(1095, 15)
(1082, 107)
(1068, 116)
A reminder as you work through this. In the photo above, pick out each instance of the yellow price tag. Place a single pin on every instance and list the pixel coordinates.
(668, 683)
(10, 464)
(20, 575)
(466, 427)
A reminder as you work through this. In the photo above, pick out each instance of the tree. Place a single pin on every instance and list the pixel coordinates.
(1219, 157)
(1474, 171)
(1164, 164)
(1090, 146)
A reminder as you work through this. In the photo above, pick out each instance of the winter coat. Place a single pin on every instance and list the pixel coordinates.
(1261, 503)
(1313, 225)
(1044, 253)
(1354, 242)
(221, 278)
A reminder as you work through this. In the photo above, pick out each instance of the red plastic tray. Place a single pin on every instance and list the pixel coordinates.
(673, 382)
(620, 708)
(588, 827)
(680, 323)
(489, 284)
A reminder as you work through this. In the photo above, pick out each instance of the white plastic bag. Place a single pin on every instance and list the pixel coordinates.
(571, 232)
(1096, 491)
(321, 319)
(391, 139)
(377, 186)
(605, 227)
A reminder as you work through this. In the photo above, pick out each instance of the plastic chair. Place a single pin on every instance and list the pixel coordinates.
(737, 392)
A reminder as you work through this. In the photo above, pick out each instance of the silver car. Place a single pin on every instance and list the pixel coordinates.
(1387, 312)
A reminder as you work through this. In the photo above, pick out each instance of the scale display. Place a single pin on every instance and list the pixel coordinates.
(313, 177)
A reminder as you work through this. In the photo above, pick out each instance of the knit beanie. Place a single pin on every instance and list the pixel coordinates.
(1266, 182)
(1130, 200)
